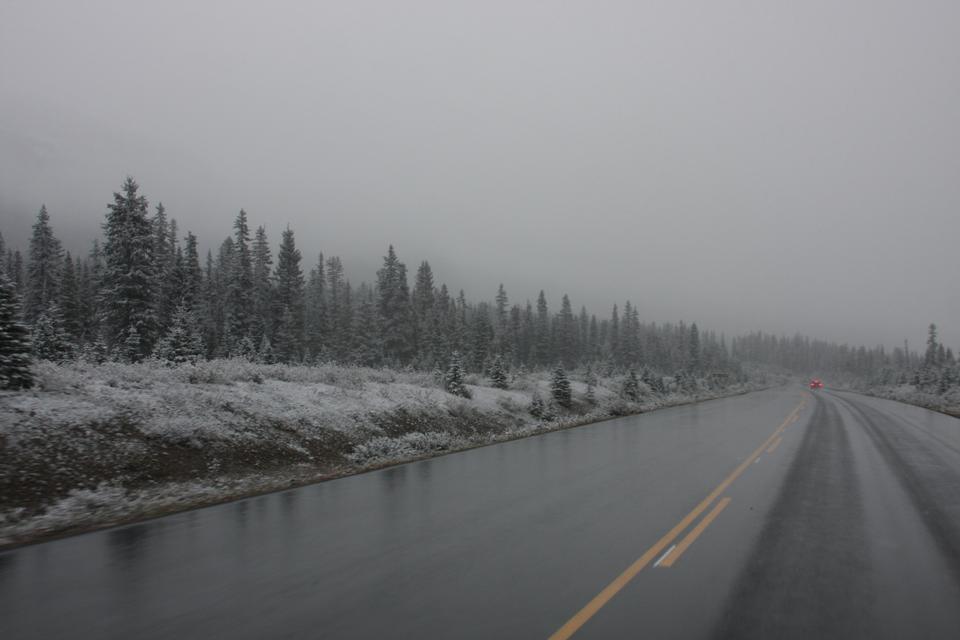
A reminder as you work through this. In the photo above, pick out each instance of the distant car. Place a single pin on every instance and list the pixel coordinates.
(816, 383)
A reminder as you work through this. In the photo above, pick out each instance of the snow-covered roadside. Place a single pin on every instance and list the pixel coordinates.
(95, 445)
(948, 402)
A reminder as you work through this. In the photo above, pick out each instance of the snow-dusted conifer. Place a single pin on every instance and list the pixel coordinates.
(454, 381)
(591, 379)
(365, 342)
(289, 300)
(239, 302)
(316, 314)
(560, 387)
(537, 408)
(70, 301)
(631, 386)
(395, 310)
(43, 269)
(192, 273)
(95, 351)
(129, 276)
(14, 341)
(49, 340)
(265, 351)
(183, 342)
(498, 373)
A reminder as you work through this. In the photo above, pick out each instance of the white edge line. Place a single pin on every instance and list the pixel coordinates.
(664, 556)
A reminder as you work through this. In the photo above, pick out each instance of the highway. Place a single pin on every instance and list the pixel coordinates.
(778, 514)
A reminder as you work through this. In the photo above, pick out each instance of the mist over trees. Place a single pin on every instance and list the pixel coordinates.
(142, 292)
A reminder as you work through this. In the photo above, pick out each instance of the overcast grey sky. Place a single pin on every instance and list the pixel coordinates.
(787, 166)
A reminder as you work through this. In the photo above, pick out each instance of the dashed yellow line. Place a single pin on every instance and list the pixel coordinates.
(591, 608)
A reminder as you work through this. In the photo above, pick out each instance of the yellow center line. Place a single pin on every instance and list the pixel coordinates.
(695, 533)
(612, 589)
(776, 443)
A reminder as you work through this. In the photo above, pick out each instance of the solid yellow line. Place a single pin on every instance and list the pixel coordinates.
(602, 598)
(695, 533)
(776, 443)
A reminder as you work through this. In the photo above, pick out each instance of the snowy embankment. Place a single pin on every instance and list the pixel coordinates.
(100, 444)
(947, 402)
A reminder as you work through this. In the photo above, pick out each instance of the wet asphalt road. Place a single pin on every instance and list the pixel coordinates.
(779, 514)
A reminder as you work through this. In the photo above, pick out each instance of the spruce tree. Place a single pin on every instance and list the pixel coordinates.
(537, 408)
(49, 340)
(567, 334)
(262, 324)
(183, 342)
(339, 320)
(560, 388)
(164, 256)
(129, 276)
(192, 274)
(453, 381)
(395, 310)
(239, 302)
(365, 345)
(498, 373)
(316, 312)
(631, 386)
(70, 301)
(591, 379)
(14, 341)
(288, 300)
(423, 300)
(43, 269)
(695, 357)
(542, 353)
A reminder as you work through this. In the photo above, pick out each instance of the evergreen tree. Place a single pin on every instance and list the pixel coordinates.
(423, 300)
(95, 350)
(265, 353)
(567, 334)
(482, 333)
(591, 379)
(930, 357)
(262, 323)
(239, 302)
(537, 408)
(15, 273)
(164, 258)
(43, 269)
(70, 302)
(365, 344)
(183, 342)
(541, 339)
(502, 321)
(631, 386)
(560, 388)
(316, 312)
(288, 339)
(395, 310)
(288, 300)
(695, 355)
(339, 314)
(498, 373)
(14, 341)
(129, 276)
(454, 381)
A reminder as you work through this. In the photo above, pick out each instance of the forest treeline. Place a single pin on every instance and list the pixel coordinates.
(144, 291)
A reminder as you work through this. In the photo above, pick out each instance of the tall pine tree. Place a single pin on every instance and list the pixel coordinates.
(43, 269)
(129, 274)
